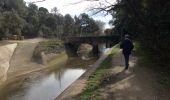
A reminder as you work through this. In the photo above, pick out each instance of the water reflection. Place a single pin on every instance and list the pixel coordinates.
(45, 85)
(49, 87)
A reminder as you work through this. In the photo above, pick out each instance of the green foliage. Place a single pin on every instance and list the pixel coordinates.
(43, 10)
(87, 25)
(146, 59)
(12, 23)
(17, 5)
(18, 19)
(68, 24)
(148, 21)
(48, 47)
(51, 22)
(52, 46)
(95, 80)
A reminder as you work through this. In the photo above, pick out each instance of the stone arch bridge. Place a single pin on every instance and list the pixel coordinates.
(72, 43)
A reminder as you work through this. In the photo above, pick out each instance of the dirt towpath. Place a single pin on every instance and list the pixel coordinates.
(136, 83)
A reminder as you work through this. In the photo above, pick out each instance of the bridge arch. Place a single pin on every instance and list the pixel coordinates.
(98, 42)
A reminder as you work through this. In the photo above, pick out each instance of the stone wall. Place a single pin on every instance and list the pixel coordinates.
(6, 53)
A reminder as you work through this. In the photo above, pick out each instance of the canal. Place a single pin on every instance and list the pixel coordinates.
(45, 84)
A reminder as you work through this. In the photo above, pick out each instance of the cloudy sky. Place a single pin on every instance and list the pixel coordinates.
(67, 6)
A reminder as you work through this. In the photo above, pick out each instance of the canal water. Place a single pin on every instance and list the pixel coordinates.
(46, 84)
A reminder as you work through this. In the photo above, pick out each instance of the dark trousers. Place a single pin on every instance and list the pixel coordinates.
(126, 56)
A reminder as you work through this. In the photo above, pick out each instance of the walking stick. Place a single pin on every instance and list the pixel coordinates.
(121, 39)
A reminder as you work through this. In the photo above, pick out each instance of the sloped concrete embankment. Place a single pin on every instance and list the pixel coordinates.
(6, 53)
(21, 62)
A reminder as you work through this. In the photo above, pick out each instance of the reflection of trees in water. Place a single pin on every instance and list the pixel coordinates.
(19, 87)
(23, 84)
(72, 63)
(59, 75)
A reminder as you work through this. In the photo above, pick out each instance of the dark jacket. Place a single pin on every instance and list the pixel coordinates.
(127, 46)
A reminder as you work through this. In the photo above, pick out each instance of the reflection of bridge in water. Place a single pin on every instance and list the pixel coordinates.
(98, 42)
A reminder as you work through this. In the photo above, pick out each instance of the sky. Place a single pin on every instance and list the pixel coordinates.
(67, 7)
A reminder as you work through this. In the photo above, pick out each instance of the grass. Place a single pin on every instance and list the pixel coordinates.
(52, 46)
(56, 47)
(48, 47)
(95, 80)
(51, 42)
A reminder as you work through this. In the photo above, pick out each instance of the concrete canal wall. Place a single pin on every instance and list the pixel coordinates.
(6, 53)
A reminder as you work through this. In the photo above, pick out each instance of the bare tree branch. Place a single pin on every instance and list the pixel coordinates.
(102, 6)
(82, 1)
(36, 1)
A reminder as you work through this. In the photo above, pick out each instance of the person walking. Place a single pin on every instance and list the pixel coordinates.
(127, 47)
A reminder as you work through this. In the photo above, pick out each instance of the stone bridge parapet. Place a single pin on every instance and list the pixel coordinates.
(73, 43)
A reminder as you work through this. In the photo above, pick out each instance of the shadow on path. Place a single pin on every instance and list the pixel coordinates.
(136, 83)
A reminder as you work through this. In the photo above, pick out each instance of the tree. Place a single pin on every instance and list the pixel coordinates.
(33, 19)
(17, 5)
(87, 24)
(51, 22)
(30, 21)
(68, 25)
(43, 10)
(55, 10)
(149, 18)
(100, 24)
(77, 26)
(12, 23)
(60, 25)
(32, 9)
